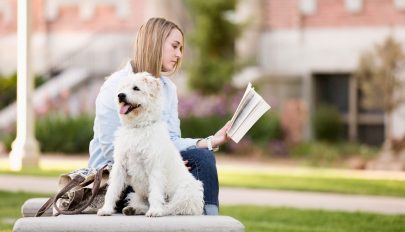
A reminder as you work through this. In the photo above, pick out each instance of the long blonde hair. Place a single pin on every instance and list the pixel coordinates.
(148, 46)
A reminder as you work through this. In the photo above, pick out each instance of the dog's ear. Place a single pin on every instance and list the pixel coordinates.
(153, 84)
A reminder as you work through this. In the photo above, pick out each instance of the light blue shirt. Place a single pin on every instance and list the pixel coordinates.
(107, 120)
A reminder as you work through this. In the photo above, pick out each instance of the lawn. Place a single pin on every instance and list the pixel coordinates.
(298, 178)
(304, 182)
(261, 219)
(313, 182)
(10, 204)
(255, 219)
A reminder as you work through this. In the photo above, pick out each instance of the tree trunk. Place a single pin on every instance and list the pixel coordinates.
(388, 132)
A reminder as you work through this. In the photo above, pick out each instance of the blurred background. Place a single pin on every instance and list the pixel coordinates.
(332, 70)
(303, 56)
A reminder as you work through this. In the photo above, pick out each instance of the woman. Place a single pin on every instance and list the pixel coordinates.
(158, 50)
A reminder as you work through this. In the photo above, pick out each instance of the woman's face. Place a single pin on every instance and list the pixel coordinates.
(172, 50)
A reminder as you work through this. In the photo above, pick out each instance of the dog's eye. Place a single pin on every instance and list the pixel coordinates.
(136, 88)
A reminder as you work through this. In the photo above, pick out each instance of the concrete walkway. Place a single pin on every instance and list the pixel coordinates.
(238, 196)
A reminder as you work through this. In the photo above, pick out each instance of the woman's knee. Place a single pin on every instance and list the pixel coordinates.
(207, 158)
(203, 158)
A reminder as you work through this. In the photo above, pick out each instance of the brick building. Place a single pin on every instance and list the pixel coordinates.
(311, 47)
(305, 49)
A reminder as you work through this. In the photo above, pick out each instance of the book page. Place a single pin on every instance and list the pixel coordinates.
(251, 107)
(251, 119)
(246, 96)
(245, 111)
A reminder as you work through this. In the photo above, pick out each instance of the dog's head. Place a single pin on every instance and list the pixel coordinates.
(139, 100)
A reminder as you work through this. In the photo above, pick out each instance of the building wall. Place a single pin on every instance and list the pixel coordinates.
(73, 32)
(289, 39)
(300, 38)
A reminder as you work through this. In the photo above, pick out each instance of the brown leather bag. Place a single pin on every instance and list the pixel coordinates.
(81, 191)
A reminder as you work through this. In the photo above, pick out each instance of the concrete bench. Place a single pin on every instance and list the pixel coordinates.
(119, 222)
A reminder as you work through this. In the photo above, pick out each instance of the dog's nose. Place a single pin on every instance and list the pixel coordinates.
(121, 97)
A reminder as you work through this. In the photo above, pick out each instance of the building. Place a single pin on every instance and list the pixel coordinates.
(306, 49)
(310, 48)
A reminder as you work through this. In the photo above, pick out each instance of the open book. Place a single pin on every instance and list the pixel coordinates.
(250, 109)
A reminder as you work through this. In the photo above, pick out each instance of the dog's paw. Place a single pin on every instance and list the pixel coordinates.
(104, 212)
(154, 212)
(130, 210)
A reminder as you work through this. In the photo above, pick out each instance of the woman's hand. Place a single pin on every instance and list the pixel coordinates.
(218, 139)
(221, 136)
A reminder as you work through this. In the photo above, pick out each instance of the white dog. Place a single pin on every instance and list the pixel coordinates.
(146, 158)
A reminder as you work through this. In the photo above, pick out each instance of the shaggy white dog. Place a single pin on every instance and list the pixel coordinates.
(146, 158)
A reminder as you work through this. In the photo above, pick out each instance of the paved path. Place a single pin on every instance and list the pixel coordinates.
(233, 196)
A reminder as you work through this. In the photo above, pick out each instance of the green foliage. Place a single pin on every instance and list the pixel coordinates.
(277, 219)
(10, 206)
(198, 127)
(327, 124)
(8, 88)
(8, 138)
(268, 128)
(58, 133)
(322, 154)
(330, 154)
(213, 40)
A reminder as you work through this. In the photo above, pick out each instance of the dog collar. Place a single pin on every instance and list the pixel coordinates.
(150, 123)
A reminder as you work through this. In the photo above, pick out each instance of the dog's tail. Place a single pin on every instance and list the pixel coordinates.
(187, 200)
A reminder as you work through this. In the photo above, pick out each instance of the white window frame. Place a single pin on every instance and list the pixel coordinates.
(308, 7)
(354, 6)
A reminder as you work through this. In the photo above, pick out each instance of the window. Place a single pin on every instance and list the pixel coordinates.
(399, 4)
(307, 7)
(333, 89)
(354, 6)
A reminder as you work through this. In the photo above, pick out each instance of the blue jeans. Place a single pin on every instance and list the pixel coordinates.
(203, 168)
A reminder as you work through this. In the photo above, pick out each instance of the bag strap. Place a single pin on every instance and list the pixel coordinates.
(96, 187)
(77, 198)
(73, 183)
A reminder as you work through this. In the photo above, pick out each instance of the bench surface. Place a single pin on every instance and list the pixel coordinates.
(119, 222)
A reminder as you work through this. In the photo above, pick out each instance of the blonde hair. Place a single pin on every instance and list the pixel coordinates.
(149, 45)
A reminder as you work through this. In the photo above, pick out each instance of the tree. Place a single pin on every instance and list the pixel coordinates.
(213, 42)
(381, 74)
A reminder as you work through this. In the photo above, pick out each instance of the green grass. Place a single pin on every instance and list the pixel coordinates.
(315, 180)
(50, 168)
(320, 183)
(266, 219)
(10, 205)
(291, 178)
(255, 219)
(36, 172)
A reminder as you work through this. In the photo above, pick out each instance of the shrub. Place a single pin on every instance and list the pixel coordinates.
(57, 133)
(8, 88)
(268, 128)
(327, 124)
(201, 127)
(316, 153)
(330, 154)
